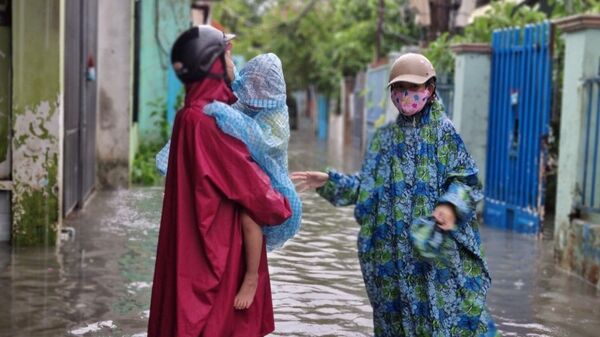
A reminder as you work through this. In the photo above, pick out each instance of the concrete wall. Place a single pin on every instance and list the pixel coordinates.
(159, 29)
(115, 91)
(577, 242)
(580, 250)
(38, 34)
(471, 100)
(579, 63)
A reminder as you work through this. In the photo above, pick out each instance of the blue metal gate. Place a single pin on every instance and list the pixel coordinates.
(520, 105)
(590, 170)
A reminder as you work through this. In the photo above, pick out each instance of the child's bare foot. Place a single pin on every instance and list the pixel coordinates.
(245, 296)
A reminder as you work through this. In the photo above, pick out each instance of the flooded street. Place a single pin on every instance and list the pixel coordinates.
(98, 283)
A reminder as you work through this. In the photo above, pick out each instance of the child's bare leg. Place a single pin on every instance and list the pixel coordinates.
(253, 238)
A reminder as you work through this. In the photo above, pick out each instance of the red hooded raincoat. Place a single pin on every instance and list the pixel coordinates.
(200, 260)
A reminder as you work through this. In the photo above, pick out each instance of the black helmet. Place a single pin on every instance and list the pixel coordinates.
(195, 51)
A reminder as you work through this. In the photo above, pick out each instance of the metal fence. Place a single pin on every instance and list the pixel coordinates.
(520, 103)
(590, 189)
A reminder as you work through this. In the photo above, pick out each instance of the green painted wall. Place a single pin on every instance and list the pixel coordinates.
(37, 114)
(5, 57)
(160, 27)
(5, 111)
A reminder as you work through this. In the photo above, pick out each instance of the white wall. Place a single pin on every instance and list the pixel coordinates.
(115, 91)
(471, 104)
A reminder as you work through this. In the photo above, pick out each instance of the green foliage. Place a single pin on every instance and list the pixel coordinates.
(317, 41)
(571, 7)
(500, 15)
(144, 165)
(438, 52)
(321, 41)
(503, 14)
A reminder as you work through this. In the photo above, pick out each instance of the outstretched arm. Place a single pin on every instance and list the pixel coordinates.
(306, 180)
(338, 188)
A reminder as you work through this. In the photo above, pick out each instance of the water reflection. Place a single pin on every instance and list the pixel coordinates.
(317, 285)
(98, 284)
(530, 296)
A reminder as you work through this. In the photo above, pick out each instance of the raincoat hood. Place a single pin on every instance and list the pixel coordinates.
(261, 84)
(210, 89)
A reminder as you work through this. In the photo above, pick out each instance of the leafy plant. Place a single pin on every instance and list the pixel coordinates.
(500, 15)
(570, 7)
(439, 54)
(144, 171)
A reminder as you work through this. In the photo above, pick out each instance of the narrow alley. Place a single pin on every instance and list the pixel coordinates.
(98, 283)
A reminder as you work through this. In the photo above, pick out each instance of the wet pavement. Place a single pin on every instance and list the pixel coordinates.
(98, 282)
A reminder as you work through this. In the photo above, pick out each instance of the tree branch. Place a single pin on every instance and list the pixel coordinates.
(402, 37)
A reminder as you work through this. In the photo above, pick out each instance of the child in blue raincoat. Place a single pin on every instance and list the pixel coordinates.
(418, 245)
(259, 119)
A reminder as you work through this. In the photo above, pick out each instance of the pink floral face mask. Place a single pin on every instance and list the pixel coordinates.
(409, 102)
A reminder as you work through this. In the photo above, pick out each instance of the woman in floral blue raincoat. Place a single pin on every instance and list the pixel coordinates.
(418, 245)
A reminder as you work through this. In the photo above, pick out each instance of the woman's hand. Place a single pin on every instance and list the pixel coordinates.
(445, 217)
(305, 180)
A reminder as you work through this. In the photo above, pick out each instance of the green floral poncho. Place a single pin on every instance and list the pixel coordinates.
(418, 288)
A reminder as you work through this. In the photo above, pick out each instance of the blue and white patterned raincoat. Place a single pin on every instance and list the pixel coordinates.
(260, 119)
(420, 282)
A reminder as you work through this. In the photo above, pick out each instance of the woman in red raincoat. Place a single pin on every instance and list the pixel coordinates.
(211, 179)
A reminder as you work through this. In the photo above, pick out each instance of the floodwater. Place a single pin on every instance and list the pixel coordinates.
(98, 282)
